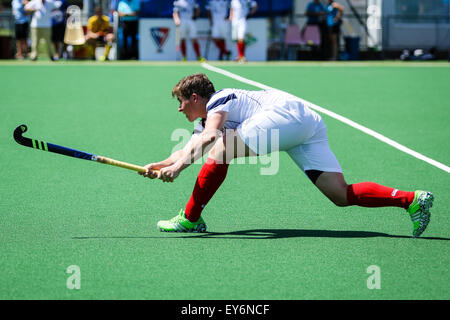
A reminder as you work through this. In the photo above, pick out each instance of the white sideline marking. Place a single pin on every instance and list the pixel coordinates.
(336, 116)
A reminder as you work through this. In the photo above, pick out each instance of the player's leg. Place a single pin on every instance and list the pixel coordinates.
(195, 44)
(184, 32)
(364, 194)
(213, 172)
(254, 136)
(109, 38)
(34, 43)
(218, 35)
(334, 45)
(216, 39)
(126, 33)
(209, 179)
(196, 47)
(134, 26)
(236, 38)
(47, 35)
(242, 28)
(370, 194)
(322, 167)
(19, 40)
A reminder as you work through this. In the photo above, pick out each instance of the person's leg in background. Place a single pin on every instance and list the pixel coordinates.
(133, 28)
(34, 44)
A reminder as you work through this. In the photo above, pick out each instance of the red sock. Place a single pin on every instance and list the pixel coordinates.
(221, 45)
(370, 194)
(183, 47)
(208, 181)
(196, 48)
(241, 48)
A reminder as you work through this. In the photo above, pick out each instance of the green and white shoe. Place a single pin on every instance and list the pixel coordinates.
(180, 223)
(419, 211)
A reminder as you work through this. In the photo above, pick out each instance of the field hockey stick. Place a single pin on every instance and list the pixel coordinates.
(45, 146)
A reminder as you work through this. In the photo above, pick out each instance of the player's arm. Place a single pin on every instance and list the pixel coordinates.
(203, 142)
(89, 33)
(230, 17)
(340, 9)
(176, 18)
(30, 7)
(162, 164)
(197, 147)
(254, 9)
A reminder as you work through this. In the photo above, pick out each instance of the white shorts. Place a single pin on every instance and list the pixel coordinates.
(238, 29)
(219, 29)
(188, 29)
(303, 137)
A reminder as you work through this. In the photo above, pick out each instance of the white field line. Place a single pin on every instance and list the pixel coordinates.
(338, 117)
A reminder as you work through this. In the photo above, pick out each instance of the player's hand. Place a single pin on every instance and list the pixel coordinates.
(168, 174)
(150, 173)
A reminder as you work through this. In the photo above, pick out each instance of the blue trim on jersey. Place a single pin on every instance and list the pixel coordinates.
(221, 101)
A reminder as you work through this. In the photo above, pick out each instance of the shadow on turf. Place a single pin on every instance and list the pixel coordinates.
(272, 234)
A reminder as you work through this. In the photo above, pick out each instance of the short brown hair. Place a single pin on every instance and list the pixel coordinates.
(195, 83)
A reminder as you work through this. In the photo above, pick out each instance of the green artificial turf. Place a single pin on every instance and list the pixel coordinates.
(271, 236)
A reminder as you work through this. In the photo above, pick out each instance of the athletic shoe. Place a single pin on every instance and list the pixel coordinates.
(419, 211)
(180, 223)
(201, 59)
(184, 59)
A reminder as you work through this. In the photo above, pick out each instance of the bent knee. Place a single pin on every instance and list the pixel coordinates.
(340, 202)
(339, 199)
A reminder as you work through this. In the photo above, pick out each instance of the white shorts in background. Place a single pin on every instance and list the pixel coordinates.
(219, 29)
(188, 29)
(238, 29)
(300, 132)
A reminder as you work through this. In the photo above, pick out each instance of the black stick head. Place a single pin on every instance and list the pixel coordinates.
(18, 134)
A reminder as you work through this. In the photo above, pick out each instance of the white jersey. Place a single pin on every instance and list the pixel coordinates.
(219, 9)
(42, 17)
(185, 8)
(243, 104)
(272, 120)
(241, 8)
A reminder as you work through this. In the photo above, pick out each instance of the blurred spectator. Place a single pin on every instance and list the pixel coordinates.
(218, 12)
(334, 21)
(240, 11)
(184, 14)
(21, 27)
(59, 18)
(315, 12)
(316, 15)
(128, 11)
(99, 33)
(41, 23)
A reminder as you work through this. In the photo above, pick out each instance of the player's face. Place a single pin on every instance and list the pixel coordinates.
(187, 106)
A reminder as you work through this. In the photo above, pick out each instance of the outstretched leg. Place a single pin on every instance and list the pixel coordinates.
(370, 194)
(364, 194)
